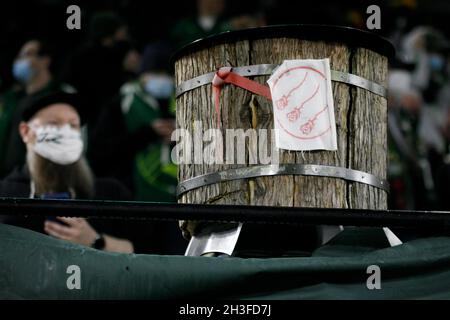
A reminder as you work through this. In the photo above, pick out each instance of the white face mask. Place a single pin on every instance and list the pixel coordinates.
(60, 145)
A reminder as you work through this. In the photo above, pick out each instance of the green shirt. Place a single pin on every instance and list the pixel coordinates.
(188, 30)
(155, 176)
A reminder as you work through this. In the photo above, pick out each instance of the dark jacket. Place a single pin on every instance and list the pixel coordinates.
(97, 74)
(111, 140)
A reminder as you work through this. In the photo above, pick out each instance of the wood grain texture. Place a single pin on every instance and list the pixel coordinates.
(197, 105)
(361, 119)
(368, 136)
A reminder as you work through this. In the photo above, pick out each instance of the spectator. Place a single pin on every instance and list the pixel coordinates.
(99, 68)
(32, 71)
(404, 171)
(135, 130)
(55, 168)
(248, 20)
(207, 21)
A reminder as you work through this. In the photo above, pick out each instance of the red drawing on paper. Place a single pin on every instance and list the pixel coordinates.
(293, 115)
(302, 113)
(309, 125)
(284, 100)
(303, 137)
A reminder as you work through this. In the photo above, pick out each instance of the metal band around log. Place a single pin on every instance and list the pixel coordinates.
(284, 169)
(267, 69)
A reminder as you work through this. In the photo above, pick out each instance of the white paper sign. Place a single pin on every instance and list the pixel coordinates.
(303, 105)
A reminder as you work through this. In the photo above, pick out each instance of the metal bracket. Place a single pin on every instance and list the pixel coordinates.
(282, 169)
(267, 70)
(210, 241)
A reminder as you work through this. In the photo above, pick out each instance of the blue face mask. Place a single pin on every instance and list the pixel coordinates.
(160, 87)
(436, 62)
(22, 70)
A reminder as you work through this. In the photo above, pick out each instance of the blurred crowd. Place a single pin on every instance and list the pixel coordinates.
(98, 125)
(419, 119)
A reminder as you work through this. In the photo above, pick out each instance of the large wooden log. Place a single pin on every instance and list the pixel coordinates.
(361, 119)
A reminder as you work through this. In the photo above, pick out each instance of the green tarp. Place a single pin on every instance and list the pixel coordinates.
(34, 266)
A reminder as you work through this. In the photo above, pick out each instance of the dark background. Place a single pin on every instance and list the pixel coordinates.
(151, 20)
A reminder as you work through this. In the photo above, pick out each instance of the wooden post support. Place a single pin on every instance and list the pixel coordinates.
(361, 115)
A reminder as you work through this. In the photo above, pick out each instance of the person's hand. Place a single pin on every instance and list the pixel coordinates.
(78, 230)
(164, 128)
